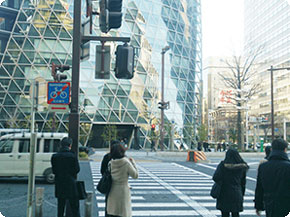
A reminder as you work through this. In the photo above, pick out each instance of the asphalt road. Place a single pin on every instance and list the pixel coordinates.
(167, 186)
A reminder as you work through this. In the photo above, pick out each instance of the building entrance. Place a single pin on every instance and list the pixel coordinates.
(128, 133)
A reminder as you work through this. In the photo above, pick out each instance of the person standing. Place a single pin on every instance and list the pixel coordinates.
(104, 167)
(65, 166)
(119, 198)
(231, 175)
(273, 186)
(268, 150)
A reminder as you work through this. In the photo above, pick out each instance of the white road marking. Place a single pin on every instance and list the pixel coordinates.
(247, 190)
(192, 203)
(185, 213)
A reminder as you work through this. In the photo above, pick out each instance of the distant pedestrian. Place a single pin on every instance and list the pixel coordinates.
(153, 145)
(219, 148)
(104, 167)
(205, 146)
(231, 175)
(199, 146)
(273, 186)
(224, 146)
(119, 198)
(65, 166)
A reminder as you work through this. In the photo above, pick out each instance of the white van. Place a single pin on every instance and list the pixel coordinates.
(15, 156)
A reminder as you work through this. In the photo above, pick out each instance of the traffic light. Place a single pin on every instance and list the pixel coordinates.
(110, 15)
(152, 127)
(124, 68)
(59, 76)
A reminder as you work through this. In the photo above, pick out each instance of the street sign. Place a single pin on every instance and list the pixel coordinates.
(58, 108)
(58, 93)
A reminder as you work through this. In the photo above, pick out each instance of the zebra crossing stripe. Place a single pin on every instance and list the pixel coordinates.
(102, 198)
(189, 169)
(192, 203)
(210, 198)
(181, 213)
(155, 205)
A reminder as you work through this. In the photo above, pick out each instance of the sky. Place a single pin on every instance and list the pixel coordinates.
(222, 27)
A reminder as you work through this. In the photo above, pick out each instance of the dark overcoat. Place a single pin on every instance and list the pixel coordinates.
(65, 166)
(273, 185)
(232, 178)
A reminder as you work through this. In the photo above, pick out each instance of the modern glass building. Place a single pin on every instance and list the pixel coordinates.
(36, 33)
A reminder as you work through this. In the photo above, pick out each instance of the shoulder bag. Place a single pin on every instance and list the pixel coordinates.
(105, 183)
(215, 190)
(81, 190)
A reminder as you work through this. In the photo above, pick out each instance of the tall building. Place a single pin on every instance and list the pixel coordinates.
(36, 33)
(267, 28)
(219, 100)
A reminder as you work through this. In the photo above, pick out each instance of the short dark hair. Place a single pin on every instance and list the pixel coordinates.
(117, 151)
(66, 142)
(279, 144)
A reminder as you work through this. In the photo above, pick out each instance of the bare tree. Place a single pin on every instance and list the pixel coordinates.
(240, 77)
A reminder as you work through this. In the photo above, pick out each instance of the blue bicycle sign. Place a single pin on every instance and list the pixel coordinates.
(58, 93)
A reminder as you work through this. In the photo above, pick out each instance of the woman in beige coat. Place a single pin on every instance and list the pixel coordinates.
(119, 198)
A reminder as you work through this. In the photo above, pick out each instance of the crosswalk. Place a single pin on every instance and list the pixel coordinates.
(170, 189)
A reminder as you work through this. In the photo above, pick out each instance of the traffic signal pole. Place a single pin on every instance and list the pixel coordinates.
(74, 116)
(162, 107)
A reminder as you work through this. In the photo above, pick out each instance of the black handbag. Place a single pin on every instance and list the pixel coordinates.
(81, 190)
(215, 190)
(105, 183)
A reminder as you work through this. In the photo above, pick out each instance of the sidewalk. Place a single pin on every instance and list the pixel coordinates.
(141, 155)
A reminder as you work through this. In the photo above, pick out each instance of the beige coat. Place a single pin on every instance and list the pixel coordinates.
(119, 198)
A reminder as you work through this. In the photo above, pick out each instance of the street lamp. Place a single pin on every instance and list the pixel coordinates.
(272, 97)
(164, 50)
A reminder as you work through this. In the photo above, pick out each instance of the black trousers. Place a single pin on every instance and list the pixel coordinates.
(74, 205)
(227, 214)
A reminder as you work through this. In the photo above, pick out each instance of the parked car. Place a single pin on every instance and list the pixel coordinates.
(15, 154)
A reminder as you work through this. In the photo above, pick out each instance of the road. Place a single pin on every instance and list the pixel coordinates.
(167, 186)
(176, 188)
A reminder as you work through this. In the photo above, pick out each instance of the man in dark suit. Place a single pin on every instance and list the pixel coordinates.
(273, 185)
(65, 166)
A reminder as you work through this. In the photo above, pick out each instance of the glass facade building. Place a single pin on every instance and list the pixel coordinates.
(267, 27)
(36, 33)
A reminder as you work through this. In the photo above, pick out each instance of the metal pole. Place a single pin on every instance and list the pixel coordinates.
(171, 136)
(162, 101)
(103, 60)
(285, 129)
(39, 202)
(88, 204)
(272, 105)
(31, 177)
(74, 116)
(247, 132)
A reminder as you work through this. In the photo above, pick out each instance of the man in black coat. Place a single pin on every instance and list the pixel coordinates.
(65, 166)
(273, 182)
